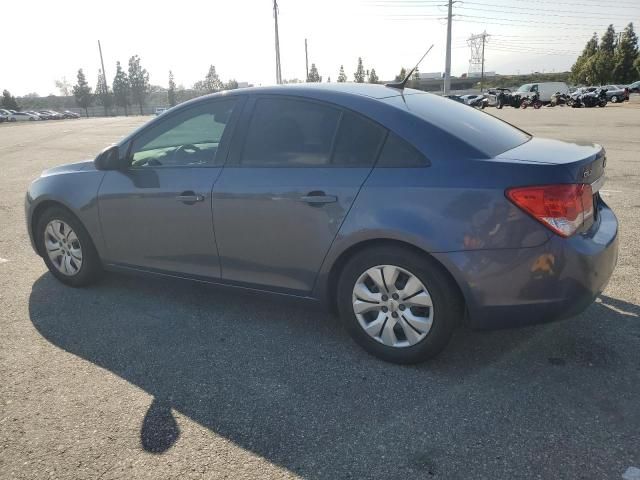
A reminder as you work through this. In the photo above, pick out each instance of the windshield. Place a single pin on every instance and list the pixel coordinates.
(525, 88)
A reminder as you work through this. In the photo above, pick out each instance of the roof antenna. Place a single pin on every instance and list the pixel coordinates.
(400, 85)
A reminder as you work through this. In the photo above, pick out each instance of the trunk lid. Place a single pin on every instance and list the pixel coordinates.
(585, 162)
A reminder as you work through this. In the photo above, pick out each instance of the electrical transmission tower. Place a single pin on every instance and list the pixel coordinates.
(476, 62)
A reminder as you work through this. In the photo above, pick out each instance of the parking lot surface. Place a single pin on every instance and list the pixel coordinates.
(153, 378)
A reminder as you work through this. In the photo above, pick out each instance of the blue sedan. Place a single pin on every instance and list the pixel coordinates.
(406, 213)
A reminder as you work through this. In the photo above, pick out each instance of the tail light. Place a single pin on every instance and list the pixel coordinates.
(561, 208)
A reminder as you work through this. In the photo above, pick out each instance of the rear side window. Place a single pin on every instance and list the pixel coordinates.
(358, 141)
(289, 133)
(399, 153)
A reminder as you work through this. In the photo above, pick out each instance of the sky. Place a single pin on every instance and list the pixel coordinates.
(46, 40)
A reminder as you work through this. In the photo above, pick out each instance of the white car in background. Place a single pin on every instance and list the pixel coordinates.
(23, 116)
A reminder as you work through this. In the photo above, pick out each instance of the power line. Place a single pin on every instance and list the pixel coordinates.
(534, 14)
(275, 18)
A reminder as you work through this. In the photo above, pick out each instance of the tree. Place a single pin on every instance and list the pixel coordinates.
(82, 92)
(583, 67)
(328, 79)
(605, 58)
(626, 55)
(637, 64)
(63, 86)
(212, 82)
(373, 77)
(314, 76)
(342, 77)
(231, 84)
(171, 92)
(122, 89)
(9, 101)
(103, 95)
(138, 81)
(359, 75)
(401, 75)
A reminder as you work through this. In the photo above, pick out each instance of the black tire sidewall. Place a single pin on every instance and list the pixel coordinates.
(91, 265)
(446, 303)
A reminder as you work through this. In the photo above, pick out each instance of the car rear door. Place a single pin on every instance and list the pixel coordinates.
(156, 214)
(293, 173)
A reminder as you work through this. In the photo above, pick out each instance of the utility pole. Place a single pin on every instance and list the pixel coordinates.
(447, 62)
(275, 17)
(484, 38)
(104, 74)
(306, 58)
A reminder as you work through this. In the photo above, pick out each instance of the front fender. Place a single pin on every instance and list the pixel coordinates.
(75, 193)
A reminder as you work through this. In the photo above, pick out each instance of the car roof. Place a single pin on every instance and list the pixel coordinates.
(371, 90)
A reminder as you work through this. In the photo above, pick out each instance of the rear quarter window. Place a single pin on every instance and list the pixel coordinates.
(480, 130)
(398, 153)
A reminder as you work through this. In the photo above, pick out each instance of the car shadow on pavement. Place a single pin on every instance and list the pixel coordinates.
(284, 381)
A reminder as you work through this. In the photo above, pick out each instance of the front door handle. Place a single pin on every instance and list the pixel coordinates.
(190, 197)
(318, 198)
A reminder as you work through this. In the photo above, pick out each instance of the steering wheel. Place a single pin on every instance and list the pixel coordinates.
(187, 147)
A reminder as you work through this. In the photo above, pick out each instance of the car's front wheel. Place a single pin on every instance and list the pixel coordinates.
(398, 304)
(614, 99)
(66, 248)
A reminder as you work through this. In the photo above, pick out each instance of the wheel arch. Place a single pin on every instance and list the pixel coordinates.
(342, 259)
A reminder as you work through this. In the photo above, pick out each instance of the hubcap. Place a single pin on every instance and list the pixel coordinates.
(393, 306)
(63, 247)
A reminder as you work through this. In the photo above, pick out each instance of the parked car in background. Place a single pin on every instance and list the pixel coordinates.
(544, 90)
(477, 101)
(70, 114)
(504, 97)
(52, 115)
(407, 213)
(45, 115)
(160, 110)
(634, 87)
(4, 115)
(23, 116)
(35, 114)
(616, 94)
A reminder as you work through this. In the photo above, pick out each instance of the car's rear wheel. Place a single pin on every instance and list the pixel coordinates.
(67, 248)
(397, 304)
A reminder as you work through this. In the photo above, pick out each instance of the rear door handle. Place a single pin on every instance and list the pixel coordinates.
(189, 197)
(318, 198)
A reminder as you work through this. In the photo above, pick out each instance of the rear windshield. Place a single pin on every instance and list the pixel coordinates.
(482, 131)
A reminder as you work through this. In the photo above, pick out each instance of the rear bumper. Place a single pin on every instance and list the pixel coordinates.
(509, 288)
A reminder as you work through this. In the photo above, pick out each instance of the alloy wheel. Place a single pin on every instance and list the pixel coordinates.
(393, 306)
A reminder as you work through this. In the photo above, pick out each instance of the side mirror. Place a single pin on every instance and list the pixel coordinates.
(108, 159)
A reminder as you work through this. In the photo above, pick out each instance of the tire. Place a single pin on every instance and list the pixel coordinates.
(499, 105)
(614, 99)
(90, 266)
(446, 310)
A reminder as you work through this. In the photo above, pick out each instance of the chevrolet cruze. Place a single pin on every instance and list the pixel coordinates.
(405, 212)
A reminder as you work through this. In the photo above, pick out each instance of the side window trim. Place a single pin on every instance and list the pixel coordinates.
(225, 140)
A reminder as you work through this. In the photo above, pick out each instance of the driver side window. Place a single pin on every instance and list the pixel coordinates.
(189, 138)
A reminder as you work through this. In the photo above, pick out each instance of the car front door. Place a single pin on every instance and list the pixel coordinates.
(156, 214)
(294, 172)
